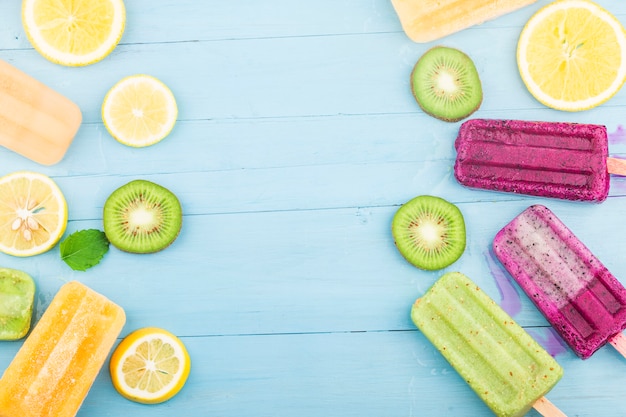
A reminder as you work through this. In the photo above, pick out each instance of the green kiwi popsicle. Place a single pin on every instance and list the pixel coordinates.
(17, 294)
(502, 363)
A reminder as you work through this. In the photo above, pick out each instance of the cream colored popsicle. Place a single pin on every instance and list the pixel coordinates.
(428, 20)
(35, 121)
(54, 369)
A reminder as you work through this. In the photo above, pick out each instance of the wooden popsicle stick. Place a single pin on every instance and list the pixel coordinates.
(547, 409)
(616, 166)
(619, 343)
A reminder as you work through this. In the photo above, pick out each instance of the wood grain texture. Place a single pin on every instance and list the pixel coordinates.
(297, 140)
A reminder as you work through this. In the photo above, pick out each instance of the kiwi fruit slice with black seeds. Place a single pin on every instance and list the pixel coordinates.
(429, 232)
(446, 85)
(142, 217)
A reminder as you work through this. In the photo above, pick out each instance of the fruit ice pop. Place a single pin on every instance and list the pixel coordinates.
(547, 159)
(17, 294)
(502, 363)
(428, 20)
(576, 293)
(35, 121)
(54, 369)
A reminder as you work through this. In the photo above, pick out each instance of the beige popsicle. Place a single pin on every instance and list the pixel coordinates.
(35, 121)
(428, 20)
(56, 366)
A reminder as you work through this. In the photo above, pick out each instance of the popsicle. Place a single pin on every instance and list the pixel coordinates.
(35, 121)
(17, 295)
(54, 369)
(576, 293)
(502, 363)
(547, 159)
(428, 20)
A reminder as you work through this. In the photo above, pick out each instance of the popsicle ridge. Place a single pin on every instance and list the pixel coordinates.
(548, 159)
(54, 369)
(582, 300)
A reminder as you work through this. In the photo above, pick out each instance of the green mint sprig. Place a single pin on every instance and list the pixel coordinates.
(83, 249)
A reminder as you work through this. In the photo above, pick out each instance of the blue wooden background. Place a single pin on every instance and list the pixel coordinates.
(297, 140)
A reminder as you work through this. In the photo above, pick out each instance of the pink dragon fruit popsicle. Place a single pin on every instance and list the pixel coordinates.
(576, 293)
(547, 159)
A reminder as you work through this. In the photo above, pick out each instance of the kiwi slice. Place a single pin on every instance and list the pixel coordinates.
(446, 85)
(429, 232)
(17, 296)
(142, 217)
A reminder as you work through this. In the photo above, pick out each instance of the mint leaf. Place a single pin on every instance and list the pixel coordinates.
(83, 249)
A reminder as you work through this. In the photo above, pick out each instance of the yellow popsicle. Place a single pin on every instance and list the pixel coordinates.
(35, 121)
(428, 20)
(56, 366)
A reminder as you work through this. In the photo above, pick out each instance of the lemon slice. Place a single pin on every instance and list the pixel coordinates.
(571, 55)
(33, 213)
(74, 32)
(139, 111)
(149, 366)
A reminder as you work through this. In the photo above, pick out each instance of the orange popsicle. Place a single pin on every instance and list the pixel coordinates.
(35, 121)
(54, 369)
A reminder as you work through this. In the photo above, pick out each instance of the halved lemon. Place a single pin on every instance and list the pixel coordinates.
(571, 55)
(149, 366)
(74, 32)
(139, 110)
(33, 213)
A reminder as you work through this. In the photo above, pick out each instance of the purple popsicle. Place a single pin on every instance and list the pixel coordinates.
(576, 293)
(547, 159)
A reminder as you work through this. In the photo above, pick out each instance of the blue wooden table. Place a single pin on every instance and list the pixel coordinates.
(297, 140)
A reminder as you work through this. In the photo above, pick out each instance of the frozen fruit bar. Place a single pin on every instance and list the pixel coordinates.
(502, 363)
(428, 20)
(547, 159)
(576, 293)
(59, 361)
(17, 295)
(35, 121)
